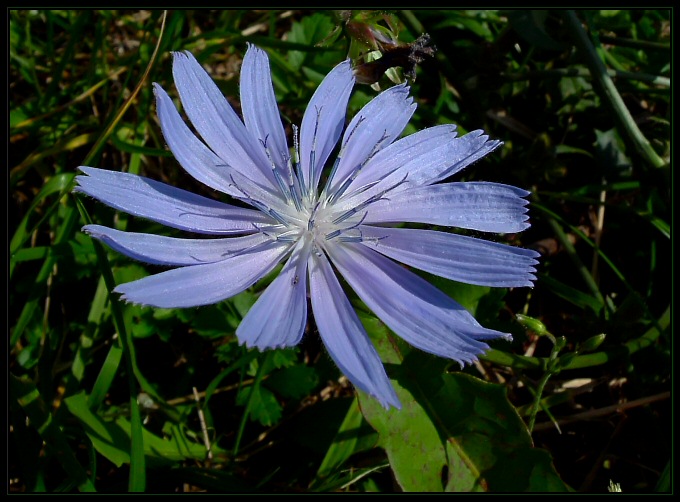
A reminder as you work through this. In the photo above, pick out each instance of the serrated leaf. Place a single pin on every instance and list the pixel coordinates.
(296, 381)
(279, 358)
(310, 31)
(283, 358)
(264, 407)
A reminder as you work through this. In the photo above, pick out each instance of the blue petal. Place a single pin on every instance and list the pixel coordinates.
(456, 257)
(259, 107)
(410, 306)
(196, 158)
(166, 204)
(487, 207)
(428, 146)
(377, 125)
(324, 120)
(424, 158)
(216, 121)
(161, 250)
(344, 336)
(205, 284)
(279, 316)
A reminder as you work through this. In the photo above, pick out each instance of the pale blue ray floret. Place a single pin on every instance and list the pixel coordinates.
(377, 180)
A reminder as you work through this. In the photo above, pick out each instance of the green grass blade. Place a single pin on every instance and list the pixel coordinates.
(64, 233)
(608, 91)
(342, 448)
(105, 378)
(28, 396)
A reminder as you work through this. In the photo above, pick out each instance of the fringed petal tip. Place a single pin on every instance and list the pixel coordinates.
(120, 290)
(388, 402)
(92, 230)
(260, 346)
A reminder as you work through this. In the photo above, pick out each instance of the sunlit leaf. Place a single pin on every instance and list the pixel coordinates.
(454, 431)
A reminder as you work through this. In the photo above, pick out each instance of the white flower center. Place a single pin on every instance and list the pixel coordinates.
(319, 219)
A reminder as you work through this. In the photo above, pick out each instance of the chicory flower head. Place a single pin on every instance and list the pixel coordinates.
(308, 221)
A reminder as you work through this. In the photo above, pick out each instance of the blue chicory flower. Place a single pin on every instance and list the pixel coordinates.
(376, 181)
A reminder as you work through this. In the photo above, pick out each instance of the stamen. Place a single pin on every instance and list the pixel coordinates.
(348, 181)
(365, 187)
(375, 239)
(358, 222)
(351, 133)
(375, 148)
(345, 185)
(350, 238)
(277, 216)
(336, 233)
(298, 169)
(254, 246)
(334, 169)
(293, 190)
(289, 236)
(312, 153)
(310, 222)
(259, 205)
(275, 171)
(333, 234)
(370, 200)
(345, 215)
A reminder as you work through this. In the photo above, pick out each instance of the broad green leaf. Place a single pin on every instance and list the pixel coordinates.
(468, 295)
(415, 451)
(454, 432)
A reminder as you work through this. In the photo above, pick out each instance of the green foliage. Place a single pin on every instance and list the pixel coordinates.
(455, 432)
(112, 397)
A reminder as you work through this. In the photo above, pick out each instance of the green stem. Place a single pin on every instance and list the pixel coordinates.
(137, 481)
(635, 44)
(608, 92)
(253, 389)
(586, 360)
(541, 386)
(602, 255)
(39, 284)
(582, 72)
(580, 266)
